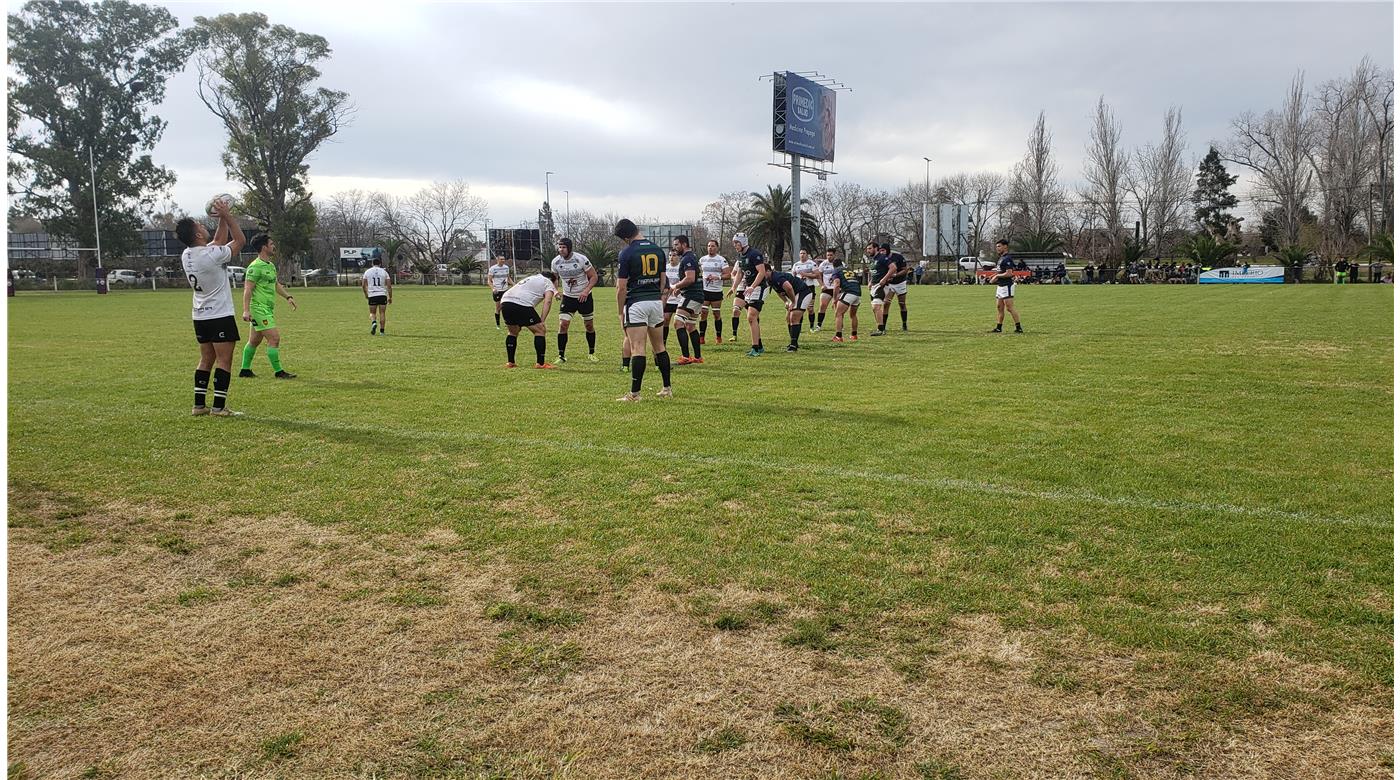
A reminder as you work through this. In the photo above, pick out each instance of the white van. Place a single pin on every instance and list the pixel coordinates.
(122, 277)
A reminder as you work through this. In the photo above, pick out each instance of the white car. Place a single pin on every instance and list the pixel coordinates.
(122, 277)
(974, 264)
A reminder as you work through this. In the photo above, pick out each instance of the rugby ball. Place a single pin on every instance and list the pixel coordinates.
(225, 197)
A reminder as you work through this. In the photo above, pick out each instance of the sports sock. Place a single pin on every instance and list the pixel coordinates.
(539, 349)
(704, 326)
(734, 326)
(639, 369)
(498, 320)
(904, 317)
(663, 363)
(510, 349)
(793, 330)
(811, 318)
(201, 386)
(853, 331)
(248, 352)
(220, 388)
(274, 356)
(838, 334)
(665, 334)
(626, 361)
(683, 339)
(695, 341)
(760, 343)
(592, 338)
(563, 342)
(821, 319)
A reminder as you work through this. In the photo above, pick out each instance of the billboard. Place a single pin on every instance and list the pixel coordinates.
(1248, 274)
(356, 257)
(945, 229)
(517, 243)
(804, 117)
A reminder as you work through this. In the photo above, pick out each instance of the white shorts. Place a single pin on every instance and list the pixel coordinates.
(759, 295)
(690, 306)
(850, 299)
(803, 301)
(642, 313)
(899, 288)
(1007, 291)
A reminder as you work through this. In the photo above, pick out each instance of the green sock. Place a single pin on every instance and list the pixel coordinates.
(248, 352)
(274, 356)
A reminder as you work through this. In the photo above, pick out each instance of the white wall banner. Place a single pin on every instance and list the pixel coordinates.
(1245, 274)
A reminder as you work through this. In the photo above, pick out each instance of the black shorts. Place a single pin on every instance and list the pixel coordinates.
(574, 306)
(496, 295)
(669, 308)
(714, 296)
(216, 331)
(378, 300)
(519, 315)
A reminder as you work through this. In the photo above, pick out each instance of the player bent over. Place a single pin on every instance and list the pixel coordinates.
(518, 309)
(799, 299)
(578, 278)
(640, 285)
(715, 270)
(688, 290)
(1006, 287)
(379, 291)
(260, 291)
(848, 298)
(499, 274)
(215, 327)
(827, 268)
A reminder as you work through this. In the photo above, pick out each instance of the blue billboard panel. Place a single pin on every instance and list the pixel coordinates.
(804, 117)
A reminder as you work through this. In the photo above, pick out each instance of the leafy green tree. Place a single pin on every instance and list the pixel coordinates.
(768, 222)
(85, 77)
(1212, 197)
(601, 252)
(1293, 259)
(1381, 249)
(1038, 242)
(1203, 248)
(259, 80)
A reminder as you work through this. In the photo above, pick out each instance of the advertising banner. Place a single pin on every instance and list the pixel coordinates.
(804, 117)
(1247, 274)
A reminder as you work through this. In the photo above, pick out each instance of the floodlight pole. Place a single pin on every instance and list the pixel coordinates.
(96, 222)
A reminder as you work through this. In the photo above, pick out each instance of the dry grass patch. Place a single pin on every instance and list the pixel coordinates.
(386, 659)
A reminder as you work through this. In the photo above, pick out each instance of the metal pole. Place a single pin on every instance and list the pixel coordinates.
(796, 211)
(96, 223)
(568, 223)
(547, 174)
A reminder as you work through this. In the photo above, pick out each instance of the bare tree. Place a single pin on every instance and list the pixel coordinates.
(1341, 157)
(839, 209)
(1106, 173)
(436, 223)
(984, 197)
(1035, 194)
(349, 218)
(1160, 182)
(1275, 147)
(1378, 96)
(722, 216)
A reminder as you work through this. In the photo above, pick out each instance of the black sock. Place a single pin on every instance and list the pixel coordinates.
(639, 369)
(793, 330)
(811, 318)
(734, 326)
(221, 378)
(838, 334)
(201, 386)
(760, 342)
(821, 319)
(510, 349)
(853, 331)
(904, 317)
(719, 328)
(592, 340)
(663, 363)
(539, 349)
(498, 319)
(563, 342)
(704, 326)
(626, 361)
(695, 341)
(683, 339)
(665, 334)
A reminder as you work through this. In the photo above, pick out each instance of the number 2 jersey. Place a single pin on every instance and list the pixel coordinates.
(204, 268)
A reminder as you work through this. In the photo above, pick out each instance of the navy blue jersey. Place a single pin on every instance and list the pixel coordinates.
(881, 267)
(695, 291)
(901, 267)
(1006, 265)
(799, 287)
(639, 265)
(748, 262)
(849, 279)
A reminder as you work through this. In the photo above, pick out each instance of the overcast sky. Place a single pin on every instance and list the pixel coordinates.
(654, 109)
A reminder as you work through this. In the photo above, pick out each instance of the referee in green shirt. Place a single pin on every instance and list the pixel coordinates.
(260, 291)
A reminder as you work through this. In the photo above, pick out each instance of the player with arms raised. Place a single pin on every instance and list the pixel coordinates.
(215, 327)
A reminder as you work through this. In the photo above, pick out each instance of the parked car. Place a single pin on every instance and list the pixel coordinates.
(973, 264)
(122, 277)
(236, 274)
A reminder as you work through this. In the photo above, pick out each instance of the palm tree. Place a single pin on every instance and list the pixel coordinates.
(1039, 242)
(1208, 252)
(1381, 249)
(1293, 258)
(600, 252)
(768, 221)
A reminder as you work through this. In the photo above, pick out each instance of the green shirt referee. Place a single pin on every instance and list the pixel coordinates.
(260, 291)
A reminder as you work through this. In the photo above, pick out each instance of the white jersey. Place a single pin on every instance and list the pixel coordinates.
(804, 267)
(573, 273)
(499, 276)
(673, 277)
(712, 268)
(529, 291)
(376, 281)
(204, 267)
(828, 270)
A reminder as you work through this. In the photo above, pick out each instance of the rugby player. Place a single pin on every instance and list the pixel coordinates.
(501, 280)
(260, 291)
(518, 307)
(806, 269)
(1006, 287)
(848, 297)
(689, 288)
(673, 275)
(715, 270)
(215, 328)
(640, 285)
(378, 287)
(578, 277)
(798, 296)
(898, 284)
(880, 274)
(828, 274)
(750, 288)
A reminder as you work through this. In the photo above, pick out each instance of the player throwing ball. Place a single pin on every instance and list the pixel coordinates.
(518, 309)
(378, 288)
(215, 328)
(1006, 287)
(578, 277)
(501, 280)
(640, 285)
(260, 292)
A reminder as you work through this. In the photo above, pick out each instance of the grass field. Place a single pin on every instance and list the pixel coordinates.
(1152, 537)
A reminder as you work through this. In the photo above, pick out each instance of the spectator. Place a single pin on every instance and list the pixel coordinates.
(919, 272)
(1341, 268)
(1354, 272)
(1061, 273)
(1375, 267)
(1021, 265)
(1088, 273)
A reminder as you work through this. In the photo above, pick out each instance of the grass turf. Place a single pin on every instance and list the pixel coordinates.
(1162, 469)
